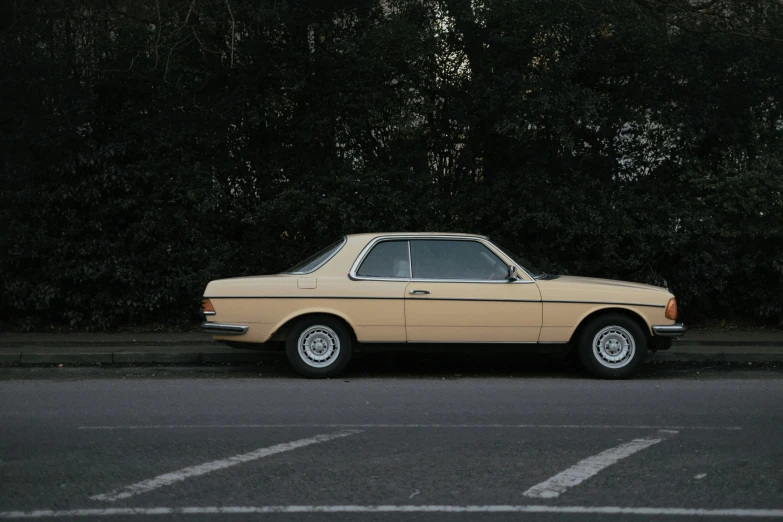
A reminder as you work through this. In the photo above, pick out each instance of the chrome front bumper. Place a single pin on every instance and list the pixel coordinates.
(670, 330)
(223, 329)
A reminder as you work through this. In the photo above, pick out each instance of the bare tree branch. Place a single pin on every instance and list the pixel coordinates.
(201, 44)
(187, 39)
(157, 42)
(185, 23)
(233, 25)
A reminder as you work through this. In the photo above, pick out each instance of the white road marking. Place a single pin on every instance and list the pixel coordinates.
(591, 466)
(700, 476)
(369, 426)
(263, 510)
(208, 467)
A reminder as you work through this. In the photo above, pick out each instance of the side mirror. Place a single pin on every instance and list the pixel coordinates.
(512, 273)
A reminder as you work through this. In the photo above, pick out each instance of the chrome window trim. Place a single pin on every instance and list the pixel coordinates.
(345, 240)
(477, 239)
(410, 259)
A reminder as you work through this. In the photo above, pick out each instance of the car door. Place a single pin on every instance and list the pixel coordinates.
(458, 292)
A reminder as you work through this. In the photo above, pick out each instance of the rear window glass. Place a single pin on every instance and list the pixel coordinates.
(316, 260)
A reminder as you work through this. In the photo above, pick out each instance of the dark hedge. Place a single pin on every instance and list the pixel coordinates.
(150, 146)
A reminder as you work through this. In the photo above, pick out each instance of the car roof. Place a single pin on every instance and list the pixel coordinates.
(411, 234)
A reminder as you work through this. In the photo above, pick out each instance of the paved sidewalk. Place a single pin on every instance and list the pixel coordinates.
(98, 339)
(198, 348)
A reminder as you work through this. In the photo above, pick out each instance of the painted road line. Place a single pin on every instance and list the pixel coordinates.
(591, 466)
(202, 469)
(406, 426)
(263, 510)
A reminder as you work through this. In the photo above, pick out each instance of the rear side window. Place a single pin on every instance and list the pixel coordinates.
(387, 259)
(458, 260)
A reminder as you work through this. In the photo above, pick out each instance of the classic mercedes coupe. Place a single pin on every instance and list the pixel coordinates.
(438, 288)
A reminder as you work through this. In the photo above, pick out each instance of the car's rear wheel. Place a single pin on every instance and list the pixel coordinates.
(318, 346)
(612, 346)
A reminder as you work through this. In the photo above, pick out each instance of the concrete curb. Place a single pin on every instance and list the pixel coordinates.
(124, 358)
(250, 357)
(27, 345)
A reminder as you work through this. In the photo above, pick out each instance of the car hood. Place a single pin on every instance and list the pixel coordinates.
(595, 282)
(572, 288)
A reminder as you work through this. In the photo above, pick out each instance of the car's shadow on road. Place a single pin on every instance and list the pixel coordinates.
(456, 366)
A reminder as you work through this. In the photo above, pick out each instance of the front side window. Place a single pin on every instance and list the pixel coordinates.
(316, 260)
(459, 260)
(386, 259)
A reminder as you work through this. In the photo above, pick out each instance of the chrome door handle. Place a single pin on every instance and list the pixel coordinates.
(419, 292)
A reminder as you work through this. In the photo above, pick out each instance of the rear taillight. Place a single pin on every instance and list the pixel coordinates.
(671, 309)
(207, 308)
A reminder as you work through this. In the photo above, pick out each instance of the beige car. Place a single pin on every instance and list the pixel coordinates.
(438, 288)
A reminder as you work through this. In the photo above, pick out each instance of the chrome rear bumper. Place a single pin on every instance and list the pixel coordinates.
(670, 330)
(223, 329)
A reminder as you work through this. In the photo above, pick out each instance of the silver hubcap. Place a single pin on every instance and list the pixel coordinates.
(614, 347)
(319, 346)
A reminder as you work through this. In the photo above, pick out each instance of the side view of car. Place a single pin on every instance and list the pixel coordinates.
(438, 288)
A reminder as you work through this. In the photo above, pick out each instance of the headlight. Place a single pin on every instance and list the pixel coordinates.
(671, 309)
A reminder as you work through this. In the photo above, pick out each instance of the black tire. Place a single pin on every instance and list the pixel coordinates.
(612, 339)
(323, 332)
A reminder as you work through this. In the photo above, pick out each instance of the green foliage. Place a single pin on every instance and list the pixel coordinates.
(149, 146)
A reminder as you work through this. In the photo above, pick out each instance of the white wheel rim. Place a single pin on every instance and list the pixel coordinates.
(319, 346)
(614, 347)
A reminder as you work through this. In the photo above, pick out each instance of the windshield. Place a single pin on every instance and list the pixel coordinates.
(314, 262)
(521, 261)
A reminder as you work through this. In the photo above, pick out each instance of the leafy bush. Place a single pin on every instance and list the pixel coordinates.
(150, 147)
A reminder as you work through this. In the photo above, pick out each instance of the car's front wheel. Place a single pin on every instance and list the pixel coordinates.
(318, 346)
(612, 346)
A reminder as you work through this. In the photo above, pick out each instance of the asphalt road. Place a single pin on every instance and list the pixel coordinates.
(463, 443)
